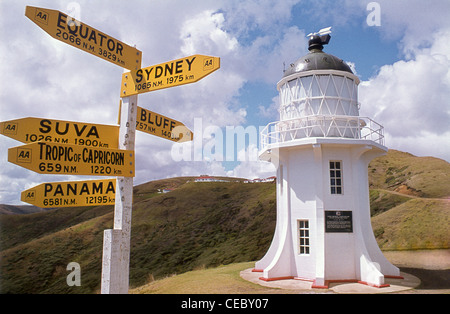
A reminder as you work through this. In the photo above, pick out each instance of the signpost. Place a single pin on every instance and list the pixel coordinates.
(173, 73)
(74, 148)
(29, 130)
(75, 33)
(156, 124)
(70, 194)
(51, 158)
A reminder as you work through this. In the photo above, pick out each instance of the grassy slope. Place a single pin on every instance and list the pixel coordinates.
(17, 229)
(402, 172)
(410, 201)
(201, 225)
(226, 280)
(19, 209)
(198, 225)
(39, 265)
(415, 224)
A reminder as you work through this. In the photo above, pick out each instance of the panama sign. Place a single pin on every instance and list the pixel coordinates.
(71, 193)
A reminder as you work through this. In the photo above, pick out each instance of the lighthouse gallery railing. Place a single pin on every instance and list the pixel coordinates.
(322, 126)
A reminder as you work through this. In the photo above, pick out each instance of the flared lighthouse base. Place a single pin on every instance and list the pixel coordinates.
(323, 232)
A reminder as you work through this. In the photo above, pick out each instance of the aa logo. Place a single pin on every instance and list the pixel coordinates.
(10, 128)
(41, 17)
(30, 195)
(208, 64)
(24, 155)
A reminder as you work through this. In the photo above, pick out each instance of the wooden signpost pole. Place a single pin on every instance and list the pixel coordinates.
(116, 242)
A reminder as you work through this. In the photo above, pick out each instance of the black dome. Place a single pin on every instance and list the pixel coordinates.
(317, 60)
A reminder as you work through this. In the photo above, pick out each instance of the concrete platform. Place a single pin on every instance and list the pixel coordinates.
(395, 285)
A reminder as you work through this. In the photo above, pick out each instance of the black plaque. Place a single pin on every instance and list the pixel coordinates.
(338, 221)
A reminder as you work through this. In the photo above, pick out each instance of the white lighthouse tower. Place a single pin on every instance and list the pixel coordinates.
(321, 148)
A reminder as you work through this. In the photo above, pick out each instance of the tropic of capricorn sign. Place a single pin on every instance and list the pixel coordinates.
(52, 158)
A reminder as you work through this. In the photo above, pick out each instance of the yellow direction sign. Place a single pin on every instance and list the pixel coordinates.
(70, 194)
(52, 158)
(29, 130)
(153, 123)
(173, 73)
(75, 33)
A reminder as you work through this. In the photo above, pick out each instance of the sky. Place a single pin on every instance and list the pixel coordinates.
(400, 50)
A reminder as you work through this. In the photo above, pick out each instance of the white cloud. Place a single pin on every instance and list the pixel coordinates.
(271, 111)
(427, 144)
(411, 97)
(250, 167)
(244, 18)
(253, 38)
(264, 58)
(414, 22)
(204, 32)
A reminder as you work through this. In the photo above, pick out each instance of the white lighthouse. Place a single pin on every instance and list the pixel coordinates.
(321, 148)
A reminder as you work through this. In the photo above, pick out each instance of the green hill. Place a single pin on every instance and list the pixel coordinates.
(410, 201)
(196, 225)
(413, 225)
(19, 209)
(407, 174)
(203, 225)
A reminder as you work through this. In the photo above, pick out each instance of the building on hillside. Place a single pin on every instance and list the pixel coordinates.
(165, 190)
(321, 148)
(206, 178)
(257, 180)
(270, 179)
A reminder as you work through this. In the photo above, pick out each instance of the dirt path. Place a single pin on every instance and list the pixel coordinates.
(415, 196)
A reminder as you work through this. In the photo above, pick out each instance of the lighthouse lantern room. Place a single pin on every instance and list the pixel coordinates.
(321, 148)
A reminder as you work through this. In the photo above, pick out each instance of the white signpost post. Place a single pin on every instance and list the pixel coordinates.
(116, 241)
(51, 141)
